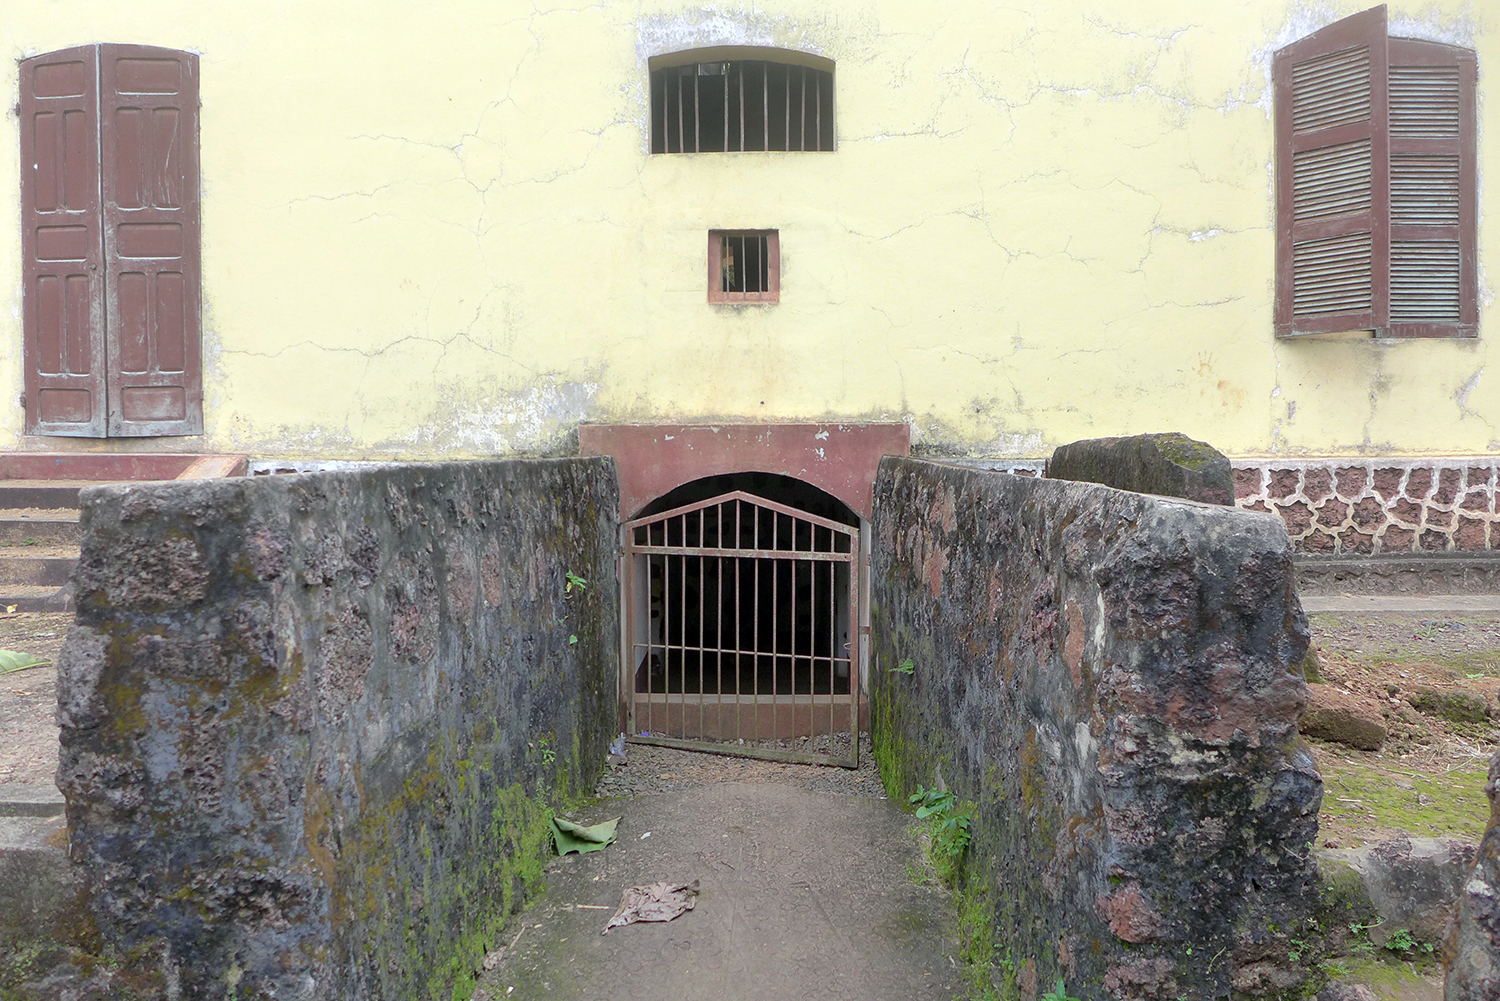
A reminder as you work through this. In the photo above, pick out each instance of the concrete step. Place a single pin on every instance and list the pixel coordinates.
(48, 526)
(1438, 604)
(1399, 574)
(41, 493)
(18, 800)
(41, 550)
(34, 571)
(36, 598)
(40, 890)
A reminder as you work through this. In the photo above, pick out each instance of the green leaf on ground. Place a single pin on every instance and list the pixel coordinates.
(570, 837)
(15, 660)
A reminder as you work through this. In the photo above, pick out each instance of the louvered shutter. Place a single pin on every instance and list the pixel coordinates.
(151, 235)
(1432, 164)
(1331, 178)
(62, 307)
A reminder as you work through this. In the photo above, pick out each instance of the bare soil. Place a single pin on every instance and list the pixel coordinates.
(1428, 778)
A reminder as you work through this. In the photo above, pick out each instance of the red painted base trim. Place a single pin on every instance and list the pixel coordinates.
(117, 467)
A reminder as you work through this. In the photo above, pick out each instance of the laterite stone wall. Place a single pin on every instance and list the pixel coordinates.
(1109, 677)
(309, 723)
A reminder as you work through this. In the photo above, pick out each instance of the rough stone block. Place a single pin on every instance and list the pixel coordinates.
(1317, 484)
(1343, 719)
(1411, 882)
(1284, 483)
(1457, 705)
(1368, 513)
(1470, 536)
(1351, 481)
(1331, 513)
(1113, 679)
(1396, 540)
(1450, 482)
(300, 716)
(1172, 465)
(41, 889)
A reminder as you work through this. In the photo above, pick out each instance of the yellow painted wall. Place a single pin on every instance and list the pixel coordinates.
(434, 229)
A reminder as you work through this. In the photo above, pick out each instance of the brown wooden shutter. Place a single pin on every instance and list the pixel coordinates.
(1433, 190)
(1332, 232)
(61, 248)
(149, 99)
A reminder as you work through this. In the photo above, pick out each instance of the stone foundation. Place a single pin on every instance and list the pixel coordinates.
(1360, 507)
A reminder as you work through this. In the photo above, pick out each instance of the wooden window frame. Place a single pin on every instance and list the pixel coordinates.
(1370, 29)
(716, 292)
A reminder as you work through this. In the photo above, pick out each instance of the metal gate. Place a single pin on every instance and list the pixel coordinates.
(741, 631)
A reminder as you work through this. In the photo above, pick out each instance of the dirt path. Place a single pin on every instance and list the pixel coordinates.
(803, 895)
(28, 699)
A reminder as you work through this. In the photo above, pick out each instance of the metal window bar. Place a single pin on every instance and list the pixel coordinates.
(766, 70)
(818, 113)
(786, 122)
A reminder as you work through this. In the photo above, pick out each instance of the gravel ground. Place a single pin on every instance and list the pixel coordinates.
(651, 769)
(1471, 639)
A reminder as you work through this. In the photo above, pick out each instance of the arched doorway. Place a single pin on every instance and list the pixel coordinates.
(741, 608)
(677, 480)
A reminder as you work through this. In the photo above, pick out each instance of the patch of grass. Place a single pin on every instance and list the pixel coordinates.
(976, 933)
(1446, 804)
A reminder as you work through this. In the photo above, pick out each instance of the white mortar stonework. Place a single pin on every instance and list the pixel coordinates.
(1357, 507)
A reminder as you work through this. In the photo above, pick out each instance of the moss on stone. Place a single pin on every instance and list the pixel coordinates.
(1184, 451)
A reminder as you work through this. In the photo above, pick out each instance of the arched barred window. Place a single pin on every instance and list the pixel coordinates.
(741, 99)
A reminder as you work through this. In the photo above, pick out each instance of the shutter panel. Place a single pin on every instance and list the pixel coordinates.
(149, 99)
(1332, 234)
(63, 317)
(1433, 191)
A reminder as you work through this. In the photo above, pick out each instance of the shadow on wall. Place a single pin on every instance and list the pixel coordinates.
(310, 724)
(1108, 677)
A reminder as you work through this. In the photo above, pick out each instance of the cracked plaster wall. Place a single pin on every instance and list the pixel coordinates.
(436, 231)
